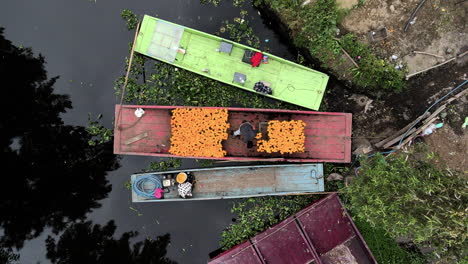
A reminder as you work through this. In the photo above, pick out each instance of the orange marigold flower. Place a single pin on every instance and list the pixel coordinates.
(198, 132)
(284, 137)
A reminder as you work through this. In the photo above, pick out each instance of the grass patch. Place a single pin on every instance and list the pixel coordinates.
(384, 248)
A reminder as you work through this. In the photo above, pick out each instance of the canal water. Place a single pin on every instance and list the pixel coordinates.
(85, 42)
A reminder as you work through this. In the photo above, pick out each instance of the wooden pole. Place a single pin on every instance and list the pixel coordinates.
(438, 65)
(430, 54)
(346, 53)
(401, 131)
(128, 72)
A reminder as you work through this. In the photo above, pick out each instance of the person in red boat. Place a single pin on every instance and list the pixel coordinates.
(246, 132)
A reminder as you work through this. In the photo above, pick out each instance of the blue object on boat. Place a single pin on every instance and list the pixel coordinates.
(139, 185)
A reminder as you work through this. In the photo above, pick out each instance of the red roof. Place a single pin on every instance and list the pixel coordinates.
(323, 232)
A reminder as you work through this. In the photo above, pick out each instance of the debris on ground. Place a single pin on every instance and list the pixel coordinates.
(335, 177)
(426, 123)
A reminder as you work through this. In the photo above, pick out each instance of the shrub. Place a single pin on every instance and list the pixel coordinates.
(384, 248)
(410, 196)
(373, 73)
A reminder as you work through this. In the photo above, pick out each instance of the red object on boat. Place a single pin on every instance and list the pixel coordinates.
(323, 232)
(256, 59)
(328, 135)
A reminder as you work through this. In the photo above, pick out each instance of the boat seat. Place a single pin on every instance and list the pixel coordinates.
(239, 78)
(248, 54)
(225, 47)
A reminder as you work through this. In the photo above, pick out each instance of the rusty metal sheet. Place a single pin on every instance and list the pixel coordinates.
(323, 232)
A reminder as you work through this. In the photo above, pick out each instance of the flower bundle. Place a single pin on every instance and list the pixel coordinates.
(198, 132)
(284, 137)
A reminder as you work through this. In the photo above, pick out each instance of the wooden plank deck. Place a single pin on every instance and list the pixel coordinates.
(328, 135)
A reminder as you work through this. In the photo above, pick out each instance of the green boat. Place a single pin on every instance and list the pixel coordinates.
(231, 63)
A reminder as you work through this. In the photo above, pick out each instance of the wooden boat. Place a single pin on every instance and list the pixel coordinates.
(242, 181)
(323, 232)
(229, 62)
(327, 135)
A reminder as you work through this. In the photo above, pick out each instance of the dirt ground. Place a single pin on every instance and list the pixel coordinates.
(374, 120)
(452, 148)
(439, 28)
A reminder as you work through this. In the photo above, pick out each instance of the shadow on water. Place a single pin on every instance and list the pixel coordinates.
(52, 178)
(87, 243)
(51, 175)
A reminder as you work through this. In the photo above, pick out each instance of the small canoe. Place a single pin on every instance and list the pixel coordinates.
(327, 135)
(230, 62)
(321, 233)
(240, 182)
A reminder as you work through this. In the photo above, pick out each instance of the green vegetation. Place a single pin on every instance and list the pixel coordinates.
(127, 185)
(98, 131)
(213, 2)
(411, 195)
(168, 85)
(131, 18)
(384, 247)
(372, 71)
(240, 31)
(256, 214)
(205, 162)
(164, 165)
(314, 27)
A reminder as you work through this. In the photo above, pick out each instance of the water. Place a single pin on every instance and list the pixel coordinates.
(85, 43)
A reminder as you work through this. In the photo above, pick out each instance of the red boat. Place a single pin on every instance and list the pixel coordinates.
(323, 232)
(327, 135)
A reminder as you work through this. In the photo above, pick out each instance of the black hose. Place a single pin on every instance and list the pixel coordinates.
(414, 14)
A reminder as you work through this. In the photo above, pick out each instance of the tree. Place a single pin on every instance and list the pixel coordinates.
(50, 174)
(87, 243)
(7, 255)
(412, 195)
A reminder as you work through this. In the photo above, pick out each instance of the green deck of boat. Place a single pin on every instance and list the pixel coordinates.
(290, 82)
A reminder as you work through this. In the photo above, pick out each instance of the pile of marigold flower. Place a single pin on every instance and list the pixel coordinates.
(198, 132)
(284, 137)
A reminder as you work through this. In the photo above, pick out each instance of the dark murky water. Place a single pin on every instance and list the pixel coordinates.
(85, 43)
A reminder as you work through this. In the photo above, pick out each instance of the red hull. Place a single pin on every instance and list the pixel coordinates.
(328, 135)
(323, 232)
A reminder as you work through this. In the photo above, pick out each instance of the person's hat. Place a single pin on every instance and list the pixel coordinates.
(181, 177)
